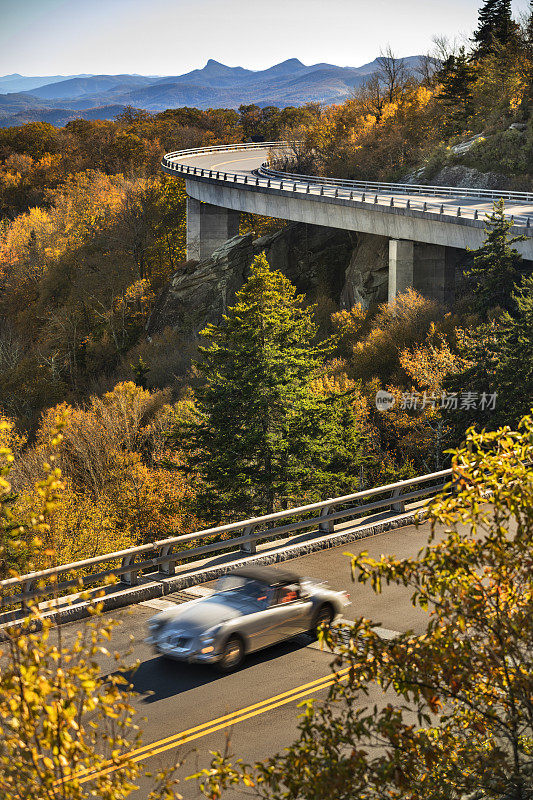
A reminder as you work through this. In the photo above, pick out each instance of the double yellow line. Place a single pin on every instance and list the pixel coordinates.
(178, 739)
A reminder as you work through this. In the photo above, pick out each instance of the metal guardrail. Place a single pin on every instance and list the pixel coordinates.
(412, 188)
(367, 192)
(220, 148)
(159, 559)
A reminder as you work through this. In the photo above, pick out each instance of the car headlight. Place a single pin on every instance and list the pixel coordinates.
(209, 636)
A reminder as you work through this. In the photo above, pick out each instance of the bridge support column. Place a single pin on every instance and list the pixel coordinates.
(208, 227)
(429, 268)
(401, 267)
(434, 272)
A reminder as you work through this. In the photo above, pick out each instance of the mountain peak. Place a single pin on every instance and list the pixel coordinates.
(288, 67)
(291, 62)
(215, 66)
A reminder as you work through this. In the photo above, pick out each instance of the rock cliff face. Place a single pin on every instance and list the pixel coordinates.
(367, 275)
(469, 178)
(343, 267)
(200, 293)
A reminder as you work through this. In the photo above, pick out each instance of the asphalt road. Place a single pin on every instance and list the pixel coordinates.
(191, 710)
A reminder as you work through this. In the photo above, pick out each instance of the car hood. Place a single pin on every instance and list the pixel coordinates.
(199, 616)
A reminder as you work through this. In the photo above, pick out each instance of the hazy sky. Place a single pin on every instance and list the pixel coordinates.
(169, 37)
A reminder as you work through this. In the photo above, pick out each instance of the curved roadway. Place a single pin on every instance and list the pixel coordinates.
(238, 177)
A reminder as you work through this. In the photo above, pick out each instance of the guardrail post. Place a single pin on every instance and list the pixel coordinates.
(328, 525)
(459, 211)
(408, 204)
(442, 208)
(527, 223)
(308, 189)
(392, 202)
(375, 200)
(131, 578)
(400, 507)
(166, 568)
(249, 547)
(28, 589)
(336, 192)
(363, 197)
(268, 184)
(322, 190)
(425, 206)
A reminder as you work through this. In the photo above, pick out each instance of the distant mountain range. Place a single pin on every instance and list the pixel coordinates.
(60, 98)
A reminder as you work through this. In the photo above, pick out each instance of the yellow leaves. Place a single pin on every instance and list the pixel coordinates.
(430, 363)
(389, 111)
(45, 749)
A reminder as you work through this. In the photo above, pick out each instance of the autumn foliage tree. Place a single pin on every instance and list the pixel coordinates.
(61, 725)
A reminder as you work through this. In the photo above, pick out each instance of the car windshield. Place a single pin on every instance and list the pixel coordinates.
(239, 588)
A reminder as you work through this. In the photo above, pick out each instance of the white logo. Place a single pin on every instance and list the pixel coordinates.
(384, 400)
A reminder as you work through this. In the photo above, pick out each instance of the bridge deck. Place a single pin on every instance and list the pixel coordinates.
(234, 177)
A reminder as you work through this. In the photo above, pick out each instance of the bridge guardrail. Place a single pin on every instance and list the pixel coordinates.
(368, 192)
(159, 559)
(412, 188)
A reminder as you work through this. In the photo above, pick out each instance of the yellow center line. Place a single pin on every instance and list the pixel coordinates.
(170, 742)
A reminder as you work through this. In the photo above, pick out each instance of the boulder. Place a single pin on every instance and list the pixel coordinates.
(200, 292)
(469, 178)
(367, 275)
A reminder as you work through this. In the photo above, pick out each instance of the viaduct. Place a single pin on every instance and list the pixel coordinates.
(428, 227)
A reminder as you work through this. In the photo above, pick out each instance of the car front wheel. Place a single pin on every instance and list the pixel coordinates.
(324, 616)
(232, 654)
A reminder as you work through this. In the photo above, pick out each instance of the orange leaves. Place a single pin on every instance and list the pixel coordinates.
(430, 363)
(117, 491)
(396, 326)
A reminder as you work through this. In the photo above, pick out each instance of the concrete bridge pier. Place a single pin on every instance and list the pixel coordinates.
(428, 268)
(208, 227)
(401, 267)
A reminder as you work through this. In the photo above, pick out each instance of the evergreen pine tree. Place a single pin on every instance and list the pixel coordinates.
(497, 266)
(527, 100)
(514, 371)
(457, 77)
(495, 27)
(263, 438)
(498, 358)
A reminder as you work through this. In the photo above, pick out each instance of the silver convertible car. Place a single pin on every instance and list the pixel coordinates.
(251, 608)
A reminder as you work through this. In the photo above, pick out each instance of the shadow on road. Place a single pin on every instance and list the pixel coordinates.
(158, 678)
